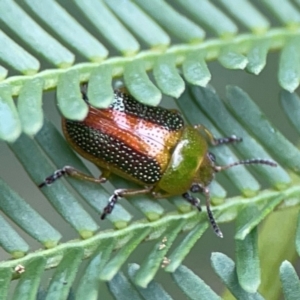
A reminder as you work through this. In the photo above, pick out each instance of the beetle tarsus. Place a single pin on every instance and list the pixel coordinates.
(192, 200)
(111, 204)
(211, 218)
(119, 194)
(213, 222)
(72, 172)
(50, 179)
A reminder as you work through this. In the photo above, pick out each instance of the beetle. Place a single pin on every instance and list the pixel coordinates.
(151, 146)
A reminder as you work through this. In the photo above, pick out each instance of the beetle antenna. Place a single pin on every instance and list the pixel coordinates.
(254, 161)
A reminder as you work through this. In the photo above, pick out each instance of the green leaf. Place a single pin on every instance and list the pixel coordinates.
(247, 14)
(122, 289)
(258, 217)
(172, 20)
(30, 280)
(257, 56)
(225, 269)
(182, 250)
(69, 97)
(14, 206)
(139, 22)
(100, 92)
(291, 105)
(231, 59)
(10, 126)
(65, 274)
(246, 251)
(283, 240)
(139, 85)
(3, 73)
(11, 241)
(209, 14)
(153, 261)
(61, 198)
(17, 57)
(35, 36)
(260, 127)
(192, 285)
(167, 77)
(289, 73)
(290, 281)
(5, 278)
(52, 14)
(195, 69)
(115, 32)
(112, 267)
(88, 286)
(30, 106)
(286, 13)
(153, 291)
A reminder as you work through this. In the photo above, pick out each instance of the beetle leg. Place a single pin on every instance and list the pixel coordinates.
(119, 193)
(83, 89)
(191, 199)
(198, 188)
(156, 195)
(220, 141)
(70, 171)
(211, 218)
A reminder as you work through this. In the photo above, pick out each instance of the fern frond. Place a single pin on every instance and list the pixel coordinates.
(155, 25)
(250, 210)
(48, 46)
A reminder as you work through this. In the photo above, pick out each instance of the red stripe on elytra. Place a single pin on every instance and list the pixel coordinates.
(142, 136)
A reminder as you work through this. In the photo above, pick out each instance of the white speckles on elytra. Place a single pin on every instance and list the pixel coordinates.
(113, 151)
(168, 119)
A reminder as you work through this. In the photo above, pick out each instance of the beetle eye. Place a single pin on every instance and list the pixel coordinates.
(212, 157)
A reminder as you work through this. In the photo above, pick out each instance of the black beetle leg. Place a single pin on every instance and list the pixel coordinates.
(119, 193)
(211, 218)
(111, 204)
(192, 200)
(83, 90)
(70, 171)
(198, 188)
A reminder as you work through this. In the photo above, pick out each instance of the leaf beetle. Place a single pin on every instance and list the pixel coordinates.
(151, 146)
